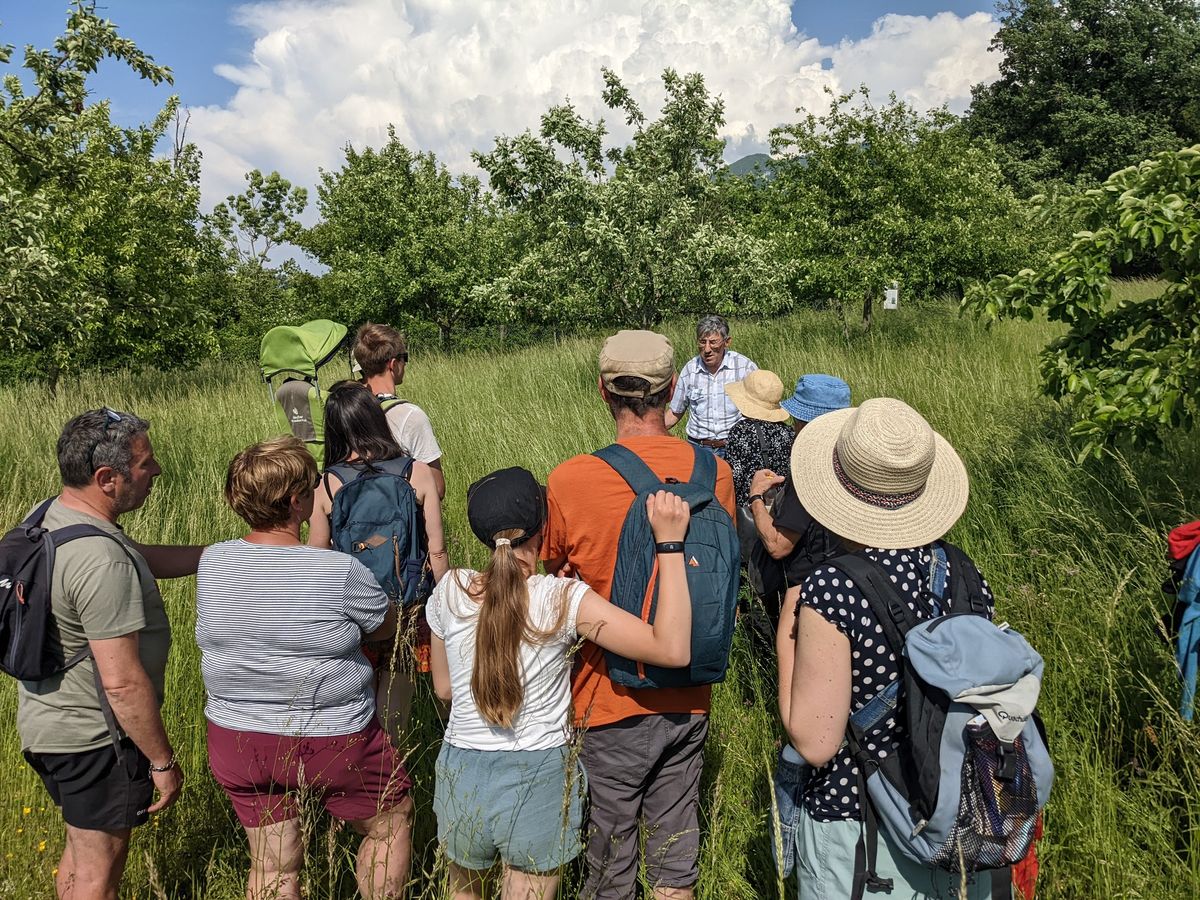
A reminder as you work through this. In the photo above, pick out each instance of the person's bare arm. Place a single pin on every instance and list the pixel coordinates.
(820, 701)
(672, 418)
(319, 532)
(133, 702)
(425, 485)
(387, 628)
(668, 642)
(785, 649)
(170, 560)
(779, 542)
(439, 667)
(438, 477)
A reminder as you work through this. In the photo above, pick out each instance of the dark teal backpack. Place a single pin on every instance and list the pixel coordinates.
(376, 519)
(711, 558)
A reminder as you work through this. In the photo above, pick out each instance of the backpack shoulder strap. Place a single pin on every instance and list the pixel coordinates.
(966, 584)
(400, 466)
(389, 401)
(34, 519)
(894, 615)
(345, 472)
(639, 476)
(704, 469)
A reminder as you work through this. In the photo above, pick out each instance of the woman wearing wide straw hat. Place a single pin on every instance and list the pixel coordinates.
(882, 479)
(761, 439)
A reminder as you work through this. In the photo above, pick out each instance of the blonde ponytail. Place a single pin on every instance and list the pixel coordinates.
(497, 684)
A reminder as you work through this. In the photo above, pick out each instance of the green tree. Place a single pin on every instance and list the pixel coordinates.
(403, 238)
(1128, 368)
(259, 219)
(1087, 87)
(101, 255)
(257, 295)
(865, 194)
(630, 234)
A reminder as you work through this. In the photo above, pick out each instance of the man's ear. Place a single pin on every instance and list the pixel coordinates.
(105, 478)
(674, 380)
(603, 390)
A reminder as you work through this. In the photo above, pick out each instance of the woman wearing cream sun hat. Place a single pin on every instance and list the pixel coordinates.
(880, 477)
(761, 439)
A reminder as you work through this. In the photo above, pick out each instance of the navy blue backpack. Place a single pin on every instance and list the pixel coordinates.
(376, 519)
(711, 559)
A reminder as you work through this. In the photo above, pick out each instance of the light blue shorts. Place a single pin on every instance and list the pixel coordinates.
(825, 867)
(522, 806)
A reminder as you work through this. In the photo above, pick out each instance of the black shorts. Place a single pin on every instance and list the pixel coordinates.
(94, 790)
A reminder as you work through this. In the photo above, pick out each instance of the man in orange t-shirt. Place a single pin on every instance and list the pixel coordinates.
(643, 749)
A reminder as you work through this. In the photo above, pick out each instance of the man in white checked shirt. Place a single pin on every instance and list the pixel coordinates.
(701, 386)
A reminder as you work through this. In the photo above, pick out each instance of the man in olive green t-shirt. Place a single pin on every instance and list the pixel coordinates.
(104, 597)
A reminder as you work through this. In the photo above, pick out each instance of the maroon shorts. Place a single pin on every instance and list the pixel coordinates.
(356, 776)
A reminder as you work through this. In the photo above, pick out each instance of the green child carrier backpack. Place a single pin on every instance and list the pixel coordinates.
(711, 558)
(294, 353)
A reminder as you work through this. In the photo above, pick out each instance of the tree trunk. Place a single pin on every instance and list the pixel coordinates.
(445, 330)
(866, 318)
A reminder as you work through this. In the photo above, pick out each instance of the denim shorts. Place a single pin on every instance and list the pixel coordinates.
(825, 853)
(524, 807)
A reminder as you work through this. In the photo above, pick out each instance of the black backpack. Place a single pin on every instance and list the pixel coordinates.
(28, 650)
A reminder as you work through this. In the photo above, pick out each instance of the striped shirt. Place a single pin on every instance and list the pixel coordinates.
(280, 631)
(713, 413)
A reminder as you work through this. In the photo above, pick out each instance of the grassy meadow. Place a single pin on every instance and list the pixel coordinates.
(1075, 556)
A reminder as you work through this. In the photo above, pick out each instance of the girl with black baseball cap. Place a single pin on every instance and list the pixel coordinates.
(508, 786)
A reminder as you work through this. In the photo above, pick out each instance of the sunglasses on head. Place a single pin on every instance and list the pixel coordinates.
(403, 357)
(111, 418)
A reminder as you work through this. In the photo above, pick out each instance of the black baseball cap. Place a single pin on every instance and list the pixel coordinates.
(510, 499)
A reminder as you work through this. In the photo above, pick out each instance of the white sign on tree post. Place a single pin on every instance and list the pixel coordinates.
(891, 297)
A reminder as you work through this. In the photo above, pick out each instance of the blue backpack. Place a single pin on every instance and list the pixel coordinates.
(711, 559)
(376, 519)
(964, 787)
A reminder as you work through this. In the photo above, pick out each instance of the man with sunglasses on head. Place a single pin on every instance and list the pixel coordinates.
(94, 733)
(382, 354)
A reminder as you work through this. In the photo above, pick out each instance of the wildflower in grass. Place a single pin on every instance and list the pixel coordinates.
(27, 810)
(41, 846)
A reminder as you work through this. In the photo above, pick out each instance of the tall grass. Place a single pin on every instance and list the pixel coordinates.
(1073, 554)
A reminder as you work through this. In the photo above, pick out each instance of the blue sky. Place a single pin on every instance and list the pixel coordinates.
(287, 83)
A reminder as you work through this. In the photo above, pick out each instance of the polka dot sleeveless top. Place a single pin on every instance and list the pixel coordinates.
(832, 791)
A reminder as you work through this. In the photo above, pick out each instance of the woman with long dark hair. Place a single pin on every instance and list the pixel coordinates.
(358, 441)
(508, 786)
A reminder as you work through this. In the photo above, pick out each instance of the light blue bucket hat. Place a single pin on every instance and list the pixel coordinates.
(816, 395)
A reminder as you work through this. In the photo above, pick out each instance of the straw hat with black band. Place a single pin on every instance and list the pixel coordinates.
(879, 475)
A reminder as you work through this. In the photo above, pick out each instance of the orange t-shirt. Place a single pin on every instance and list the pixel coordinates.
(586, 505)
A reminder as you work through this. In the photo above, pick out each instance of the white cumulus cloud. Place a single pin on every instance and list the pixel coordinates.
(450, 76)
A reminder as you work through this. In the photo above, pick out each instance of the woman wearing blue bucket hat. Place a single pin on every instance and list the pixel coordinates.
(791, 542)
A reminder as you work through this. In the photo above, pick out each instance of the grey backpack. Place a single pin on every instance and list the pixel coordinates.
(964, 787)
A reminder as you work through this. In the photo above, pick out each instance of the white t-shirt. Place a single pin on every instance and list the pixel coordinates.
(413, 432)
(280, 631)
(543, 720)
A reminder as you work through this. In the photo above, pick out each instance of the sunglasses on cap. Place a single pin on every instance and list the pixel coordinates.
(111, 418)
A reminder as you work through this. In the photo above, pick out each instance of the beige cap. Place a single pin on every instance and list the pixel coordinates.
(637, 354)
(757, 396)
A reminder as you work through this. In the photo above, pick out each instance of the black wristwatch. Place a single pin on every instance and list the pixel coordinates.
(750, 500)
(669, 547)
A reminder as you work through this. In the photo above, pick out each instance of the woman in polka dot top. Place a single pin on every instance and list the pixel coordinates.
(880, 478)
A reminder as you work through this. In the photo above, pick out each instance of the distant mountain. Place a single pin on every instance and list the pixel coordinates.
(755, 163)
